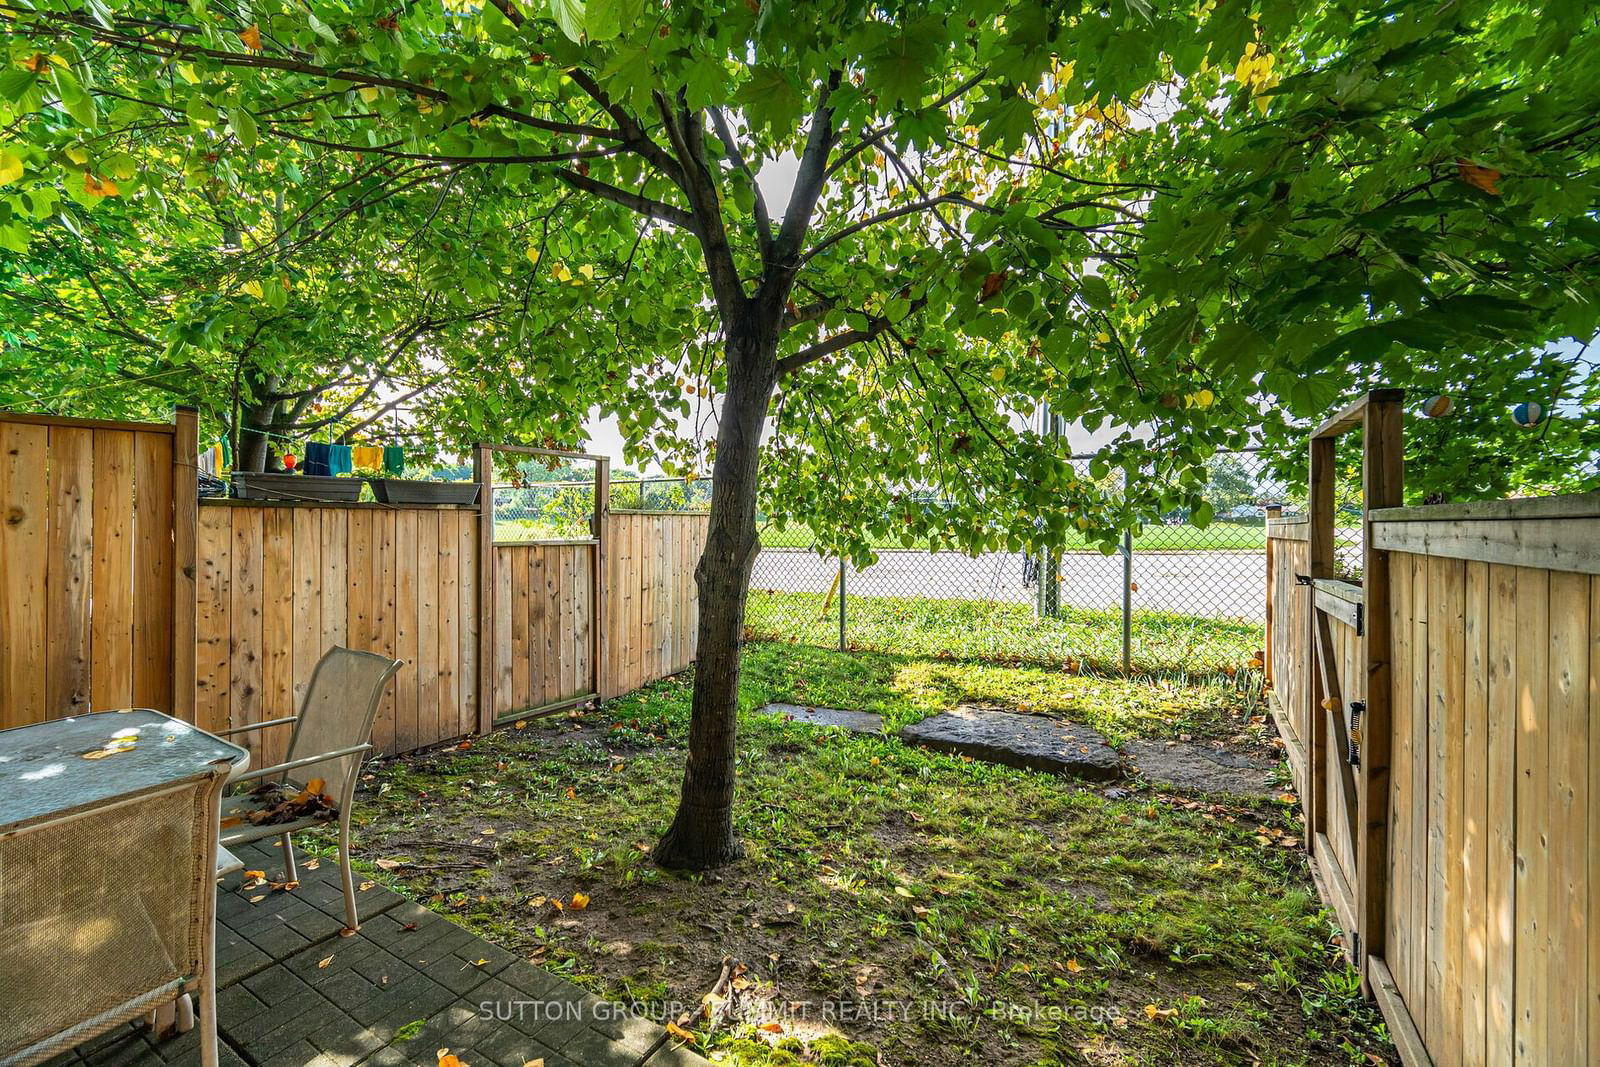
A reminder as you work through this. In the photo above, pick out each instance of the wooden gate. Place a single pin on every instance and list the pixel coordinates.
(1329, 659)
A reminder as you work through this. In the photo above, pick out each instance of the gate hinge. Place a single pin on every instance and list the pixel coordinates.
(1302, 579)
(1361, 619)
(1355, 946)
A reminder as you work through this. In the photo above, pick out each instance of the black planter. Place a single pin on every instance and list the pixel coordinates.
(295, 487)
(407, 491)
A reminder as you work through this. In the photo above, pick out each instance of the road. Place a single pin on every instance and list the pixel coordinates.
(1213, 584)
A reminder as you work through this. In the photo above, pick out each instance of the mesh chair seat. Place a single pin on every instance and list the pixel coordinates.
(238, 829)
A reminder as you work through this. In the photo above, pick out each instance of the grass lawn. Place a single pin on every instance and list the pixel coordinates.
(1222, 535)
(1088, 639)
(896, 906)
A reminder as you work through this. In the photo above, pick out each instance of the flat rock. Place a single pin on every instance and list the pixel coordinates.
(1186, 765)
(857, 722)
(1032, 742)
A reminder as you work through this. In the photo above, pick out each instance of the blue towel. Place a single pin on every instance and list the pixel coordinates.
(316, 459)
(339, 459)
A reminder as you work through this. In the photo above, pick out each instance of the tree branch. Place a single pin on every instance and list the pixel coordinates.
(642, 204)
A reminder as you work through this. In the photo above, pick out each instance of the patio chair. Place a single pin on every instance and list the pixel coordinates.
(331, 734)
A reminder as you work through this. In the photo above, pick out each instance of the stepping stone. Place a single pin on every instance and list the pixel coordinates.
(857, 722)
(1032, 742)
(1186, 765)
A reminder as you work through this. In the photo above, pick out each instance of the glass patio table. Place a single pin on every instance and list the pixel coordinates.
(108, 852)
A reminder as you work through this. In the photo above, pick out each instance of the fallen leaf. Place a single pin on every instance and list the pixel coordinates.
(312, 864)
(258, 899)
(231, 821)
(487, 831)
(367, 885)
(579, 901)
(323, 963)
(1074, 966)
(388, 864)
(480, 962)
(534, 1063)
(572, 794)
(522, 724)
(679, 1032)
(771, 1028)
(1153, 1012)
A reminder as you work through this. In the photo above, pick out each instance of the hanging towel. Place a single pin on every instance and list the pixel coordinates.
(367, 457)
(339, 459)
(316, 461)
(394, 461)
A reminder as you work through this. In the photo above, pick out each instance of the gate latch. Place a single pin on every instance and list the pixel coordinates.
(1302, 579)
(1357, 708)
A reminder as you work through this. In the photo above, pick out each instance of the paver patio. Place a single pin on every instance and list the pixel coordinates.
(293, 993)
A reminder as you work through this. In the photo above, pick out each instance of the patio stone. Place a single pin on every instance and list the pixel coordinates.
(1191, 766)
(277, 1007)
(857, 722)
(1031, 742)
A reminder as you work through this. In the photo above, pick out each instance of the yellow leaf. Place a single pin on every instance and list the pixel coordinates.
(367, 885)
(10, 166)
(251, 36)
(679, 1032)
(535, 1063)
(323, 963)
(368, 93)
(480, 962)
(580, 901)
(258, 899)
(387, 864)
(587, 270)
(77, 155)
(255, 876)
(252, 288)
(99, 186)
(487, 831)
(771, 1028)
(1074, 966)
(186, 72)
(902, 891)
(1329, 704)
(447, 1060)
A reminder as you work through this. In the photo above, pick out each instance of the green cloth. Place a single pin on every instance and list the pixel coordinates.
(394, 460)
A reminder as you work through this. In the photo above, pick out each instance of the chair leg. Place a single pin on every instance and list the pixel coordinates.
(208, 1012)
(352, 920)
(290, 872)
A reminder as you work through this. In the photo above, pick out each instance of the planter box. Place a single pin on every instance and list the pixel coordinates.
(295, 487)
(406, 491)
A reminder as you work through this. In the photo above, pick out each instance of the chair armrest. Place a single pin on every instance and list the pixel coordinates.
(304, 761)
(256, 726)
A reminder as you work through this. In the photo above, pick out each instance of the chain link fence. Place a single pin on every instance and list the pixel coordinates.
(1176, 597)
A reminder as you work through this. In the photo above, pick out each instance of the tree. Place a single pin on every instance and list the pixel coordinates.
(1153, 219)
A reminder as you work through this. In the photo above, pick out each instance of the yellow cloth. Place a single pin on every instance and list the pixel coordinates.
(368, 456)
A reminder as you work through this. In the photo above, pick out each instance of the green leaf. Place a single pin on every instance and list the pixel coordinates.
(570, 16)
(771, 100)
(1168, 330)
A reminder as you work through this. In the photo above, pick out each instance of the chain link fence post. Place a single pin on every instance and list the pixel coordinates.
(1127, 601)
(841, 604)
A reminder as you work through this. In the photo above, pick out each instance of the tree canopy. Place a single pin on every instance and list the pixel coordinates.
(1204, 223)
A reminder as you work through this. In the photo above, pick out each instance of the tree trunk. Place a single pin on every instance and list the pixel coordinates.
(701, 835)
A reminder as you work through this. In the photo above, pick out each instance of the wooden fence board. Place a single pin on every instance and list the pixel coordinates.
(277, 630)
(1474, 816)
(111, 578)
(245, 616)
(70, 546)
(429, 606)
(155, 615)
(407, 734)
(1501, 807)
(1569, 931)
(24, 491)
(1532, 808)
(1401, 846)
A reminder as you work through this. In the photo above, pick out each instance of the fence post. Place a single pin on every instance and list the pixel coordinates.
(1382, 486)
(597, 612)
(1127, 601)
(185, 533)
(842, 569)
(488, 669)
(1273, 513)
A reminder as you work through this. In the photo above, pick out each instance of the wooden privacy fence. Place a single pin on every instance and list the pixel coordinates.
(1469, 886)
(96, 565)
(117, 589)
